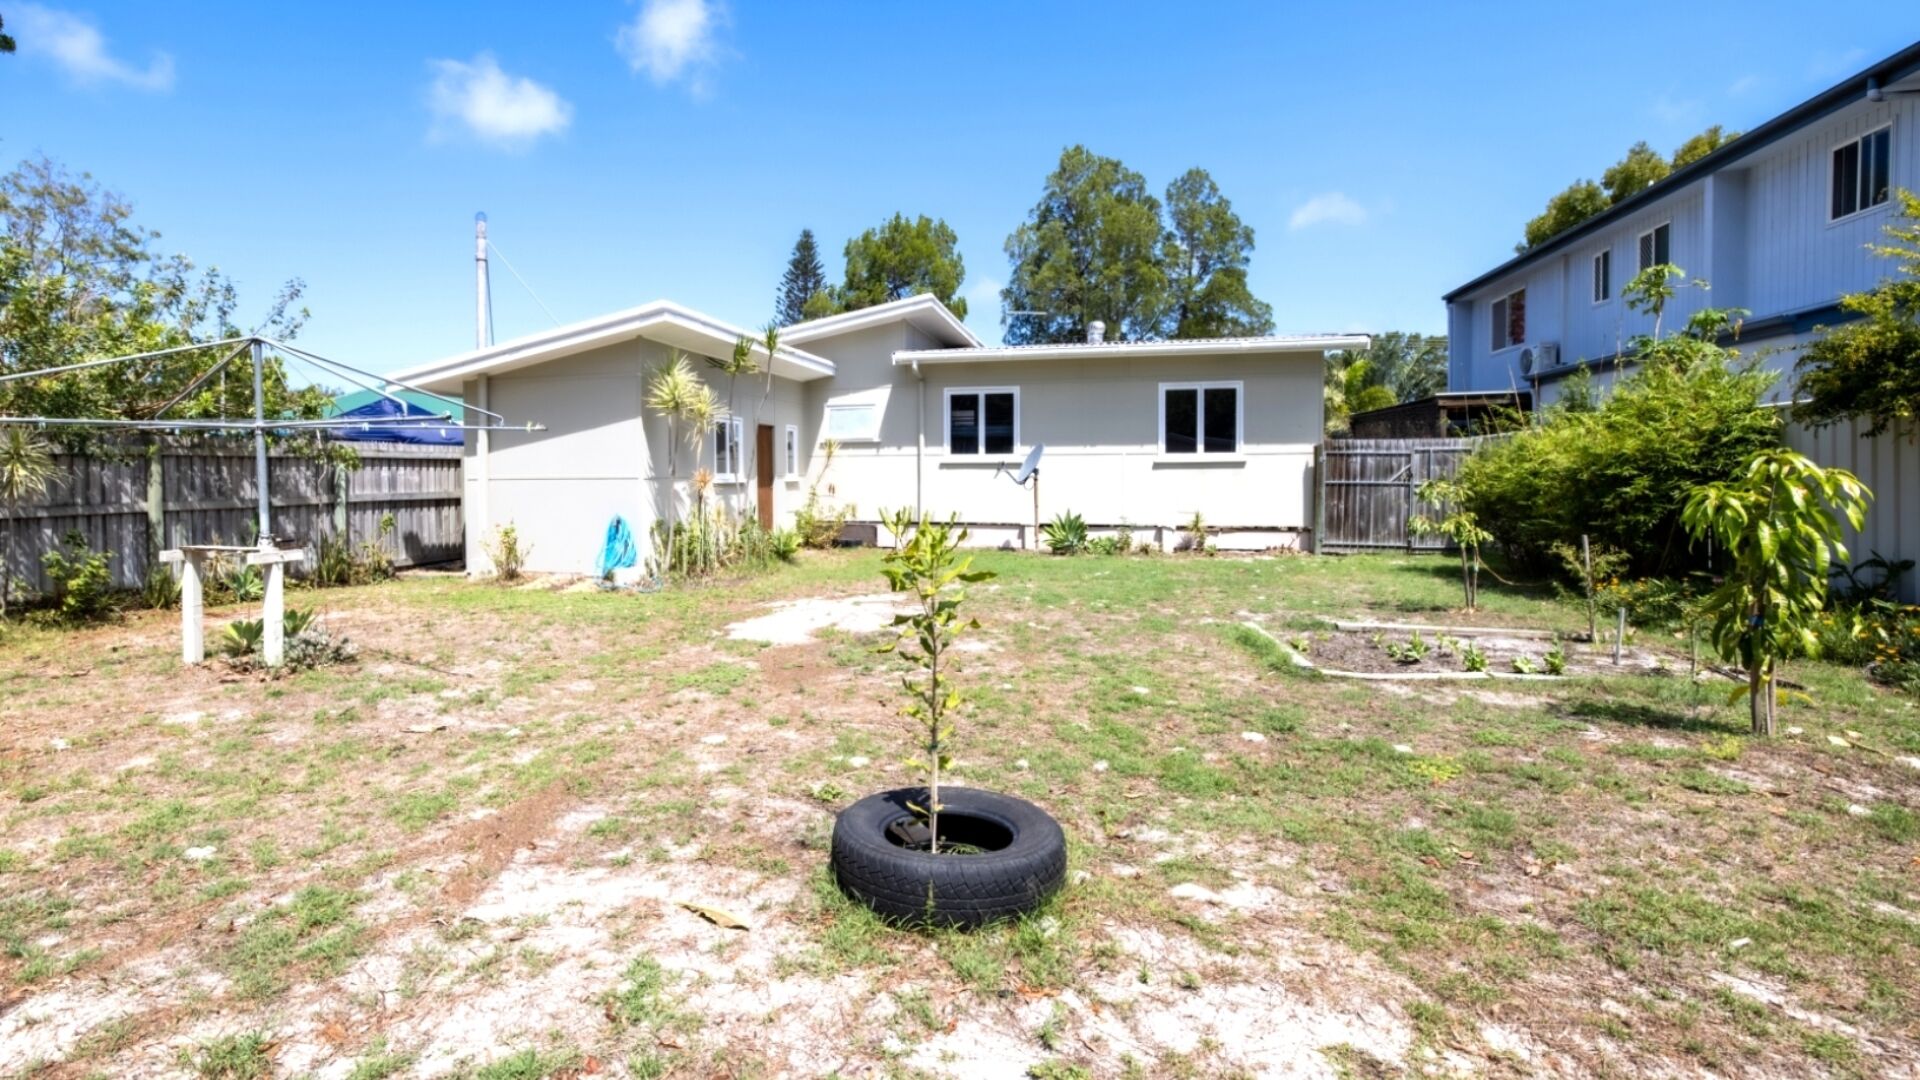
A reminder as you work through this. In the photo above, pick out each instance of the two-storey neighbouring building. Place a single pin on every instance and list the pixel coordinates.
(1776, 221)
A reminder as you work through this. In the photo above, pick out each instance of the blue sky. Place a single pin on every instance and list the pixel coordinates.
(627, 151)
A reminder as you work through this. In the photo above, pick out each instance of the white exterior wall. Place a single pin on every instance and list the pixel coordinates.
(601, 455)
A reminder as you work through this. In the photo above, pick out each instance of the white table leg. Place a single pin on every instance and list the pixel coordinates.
(193, 633)
(273, 640)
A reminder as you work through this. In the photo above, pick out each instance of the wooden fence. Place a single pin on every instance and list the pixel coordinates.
(1366, 491)
(203, 492)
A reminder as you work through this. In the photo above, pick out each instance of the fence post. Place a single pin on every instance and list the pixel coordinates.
(342, 497)
(156, 502)
(1319, 496)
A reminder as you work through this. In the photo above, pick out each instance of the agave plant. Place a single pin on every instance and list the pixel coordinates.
(1066, 534)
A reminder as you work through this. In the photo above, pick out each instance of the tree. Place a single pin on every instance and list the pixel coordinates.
(1642, 168)
(677, 395)
(26, 469)
(804, 278)
(1459, 525)
(1779, 524)
(82, 282)
(899, 259)
(1639, 170)
(1206, 249)
(1089, 250)
(1870, 368)
(1581, 200)
(1701, 145)
(1397, 367)
(6, 40)
(929, 566)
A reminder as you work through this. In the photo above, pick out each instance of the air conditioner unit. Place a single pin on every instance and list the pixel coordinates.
(1546, 356)
(1526, 360)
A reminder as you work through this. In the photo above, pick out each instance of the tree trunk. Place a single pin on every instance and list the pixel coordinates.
(1760, 700)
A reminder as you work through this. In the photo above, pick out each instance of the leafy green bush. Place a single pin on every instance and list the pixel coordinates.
(309, 644)
(785, 544)
(82, 581)
(1687, 414)
(1066, 534)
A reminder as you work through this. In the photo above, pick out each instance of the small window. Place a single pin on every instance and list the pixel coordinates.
(1861, 174)
(726, 448)
(853, 423)
(1200, 418)
(1656, 247)
(983, 421)
(1510, 320)
(793, 452)
(1603, 277)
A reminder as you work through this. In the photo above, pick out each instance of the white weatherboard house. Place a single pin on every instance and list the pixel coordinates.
(1141, 434)
(1777, 222)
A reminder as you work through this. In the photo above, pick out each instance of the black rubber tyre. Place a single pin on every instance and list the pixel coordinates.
(915, 888)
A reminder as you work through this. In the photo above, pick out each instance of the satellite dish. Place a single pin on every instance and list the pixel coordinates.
(1031, 465)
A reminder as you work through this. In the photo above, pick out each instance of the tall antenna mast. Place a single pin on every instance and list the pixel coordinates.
(483, 311)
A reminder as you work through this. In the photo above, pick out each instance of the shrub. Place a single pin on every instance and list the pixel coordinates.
(821, 520)
(1687, 415)
(507, 554)
(309, 644)
(1066, 534)
(82, 581)
(341, 563)
(785, 544)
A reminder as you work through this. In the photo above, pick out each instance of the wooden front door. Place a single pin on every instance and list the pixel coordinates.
(763, 454)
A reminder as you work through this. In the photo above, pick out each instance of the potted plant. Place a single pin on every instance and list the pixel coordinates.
(933, 855)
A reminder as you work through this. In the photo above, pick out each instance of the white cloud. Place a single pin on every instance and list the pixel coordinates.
(495, 107)
(670, 40)
(1333, 208)
(78, 48)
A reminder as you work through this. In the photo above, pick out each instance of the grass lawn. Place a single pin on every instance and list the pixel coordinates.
(469, 854)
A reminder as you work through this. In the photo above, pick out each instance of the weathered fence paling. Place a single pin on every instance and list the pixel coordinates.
(1369, 491)
(203, 492)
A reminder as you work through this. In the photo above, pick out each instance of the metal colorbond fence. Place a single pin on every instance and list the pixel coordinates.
(203, 492)
(1366, 491)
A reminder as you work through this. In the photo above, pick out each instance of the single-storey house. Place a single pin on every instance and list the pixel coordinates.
(921, 413)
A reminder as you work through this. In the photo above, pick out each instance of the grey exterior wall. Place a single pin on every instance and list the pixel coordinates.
(1756, 230)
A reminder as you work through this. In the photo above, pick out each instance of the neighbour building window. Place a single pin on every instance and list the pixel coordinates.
(1861, 177)
(853, 423)
(793, 452)
(1655, 246)
(1200, 418)
(1510, 319)
(1603, 277)
(983, 420)
(726, 448)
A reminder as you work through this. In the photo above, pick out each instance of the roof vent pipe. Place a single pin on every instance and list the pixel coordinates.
(1096, 332)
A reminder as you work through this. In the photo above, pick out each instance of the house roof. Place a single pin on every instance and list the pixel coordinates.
(924, 311)
(1187, 347)
(347, 403)
(1900, 65)
(660, 320)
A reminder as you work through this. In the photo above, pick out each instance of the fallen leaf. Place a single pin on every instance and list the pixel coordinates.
(335, 1032)
(724, 919)
(424, 729)
(591, 1066)
(1836, 740)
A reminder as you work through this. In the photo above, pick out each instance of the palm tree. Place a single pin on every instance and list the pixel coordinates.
(676, 393)
(26, 468)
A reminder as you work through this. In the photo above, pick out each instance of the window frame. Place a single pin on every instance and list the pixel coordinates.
(980, 392)
(1603, 276)
(1860, 141)
(866, 436)
(792, 444)
(1653, 232)
(1495, 325)
(734, 427)
(1239, 388)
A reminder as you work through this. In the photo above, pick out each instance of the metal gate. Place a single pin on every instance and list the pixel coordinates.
(1366, 491)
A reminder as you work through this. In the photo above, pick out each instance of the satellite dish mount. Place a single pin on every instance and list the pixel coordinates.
(1029, 476)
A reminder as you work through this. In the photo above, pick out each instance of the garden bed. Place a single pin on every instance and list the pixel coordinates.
(1389, 649)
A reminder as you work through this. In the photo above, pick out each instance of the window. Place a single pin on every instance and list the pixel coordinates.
(1860, 173)
(1603, 277)
(853, 423)
(1200, 418)
(1655, 246)
(983, 420)
(726, 449)
(1510, 320)
(793, 452)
